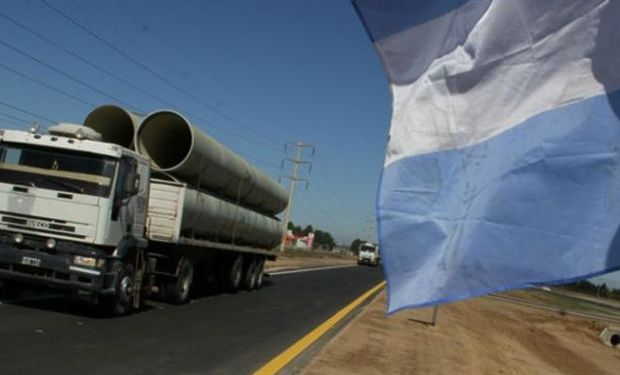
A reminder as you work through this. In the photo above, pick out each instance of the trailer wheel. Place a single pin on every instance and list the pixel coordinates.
(235, 274)
(120, 303)
(249, 279)
(177, 291)
(260, 273)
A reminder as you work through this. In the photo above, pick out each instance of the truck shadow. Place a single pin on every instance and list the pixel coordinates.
(62, 303)
(213, 289)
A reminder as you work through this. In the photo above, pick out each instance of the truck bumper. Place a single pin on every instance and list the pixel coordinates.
(367, 261)
(37, 267)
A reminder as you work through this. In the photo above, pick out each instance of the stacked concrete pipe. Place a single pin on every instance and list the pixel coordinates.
(176, 147)
(115, 124)
(234, 201)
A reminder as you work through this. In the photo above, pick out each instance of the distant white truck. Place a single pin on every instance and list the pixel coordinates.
(369, 254)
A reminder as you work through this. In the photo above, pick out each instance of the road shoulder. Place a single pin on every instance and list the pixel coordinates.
(477, 336)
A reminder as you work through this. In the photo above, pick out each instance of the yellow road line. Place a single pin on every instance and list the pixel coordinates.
(297, 348)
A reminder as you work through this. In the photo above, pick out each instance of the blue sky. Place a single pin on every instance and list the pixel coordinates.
(258, 74)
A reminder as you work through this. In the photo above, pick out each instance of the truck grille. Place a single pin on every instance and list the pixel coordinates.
(39, 224)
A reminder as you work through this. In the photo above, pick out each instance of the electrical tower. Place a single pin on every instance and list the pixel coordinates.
(369, 228)
(294, 177)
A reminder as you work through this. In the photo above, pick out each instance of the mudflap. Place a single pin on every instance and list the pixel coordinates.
(140, 266)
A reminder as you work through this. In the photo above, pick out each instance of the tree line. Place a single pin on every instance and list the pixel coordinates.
(598, 290)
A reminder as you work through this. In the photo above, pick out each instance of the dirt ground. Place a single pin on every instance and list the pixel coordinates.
(480, 336)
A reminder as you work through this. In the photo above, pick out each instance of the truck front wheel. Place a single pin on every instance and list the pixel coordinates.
(120, 303)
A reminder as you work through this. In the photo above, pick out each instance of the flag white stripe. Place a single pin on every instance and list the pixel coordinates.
(487, 85)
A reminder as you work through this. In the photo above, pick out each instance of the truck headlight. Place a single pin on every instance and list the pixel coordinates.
(18, 238)
(50, 244)
(84, 261)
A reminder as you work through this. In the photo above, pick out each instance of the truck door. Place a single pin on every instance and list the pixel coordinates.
(130, 197)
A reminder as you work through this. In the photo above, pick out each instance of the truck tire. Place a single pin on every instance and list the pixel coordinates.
(249, 278)
(121, 302)
(234, 274)
(260, 273)
(177, 291)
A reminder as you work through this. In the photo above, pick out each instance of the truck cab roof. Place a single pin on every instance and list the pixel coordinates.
(65, 142)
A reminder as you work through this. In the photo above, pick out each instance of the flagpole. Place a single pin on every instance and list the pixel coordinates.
(434, 319)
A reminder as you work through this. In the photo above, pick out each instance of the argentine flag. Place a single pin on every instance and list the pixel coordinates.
(503, 163)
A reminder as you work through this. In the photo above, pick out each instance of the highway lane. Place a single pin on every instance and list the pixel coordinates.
(215, 334)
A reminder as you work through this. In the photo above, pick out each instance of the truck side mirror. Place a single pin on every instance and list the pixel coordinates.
(132, 185)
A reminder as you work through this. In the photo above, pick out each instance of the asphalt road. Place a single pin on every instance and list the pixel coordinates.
(215, 334)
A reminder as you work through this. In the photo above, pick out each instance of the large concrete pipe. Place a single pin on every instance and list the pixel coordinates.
(204, 216)
(212, 218)
(115, 124)
(177, 147)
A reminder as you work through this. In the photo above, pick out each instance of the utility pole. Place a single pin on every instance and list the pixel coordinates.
(294, 177)
(369, 228)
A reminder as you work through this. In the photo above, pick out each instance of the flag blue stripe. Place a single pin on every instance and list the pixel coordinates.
(521, 208)
(383, 18)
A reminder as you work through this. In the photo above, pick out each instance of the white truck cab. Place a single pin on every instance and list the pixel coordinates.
(368, 254)
(70, 208)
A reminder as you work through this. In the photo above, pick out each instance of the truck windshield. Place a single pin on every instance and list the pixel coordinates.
(368, 248)
(62, 170)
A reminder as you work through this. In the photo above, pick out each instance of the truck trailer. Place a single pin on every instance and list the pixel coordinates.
(83, 209)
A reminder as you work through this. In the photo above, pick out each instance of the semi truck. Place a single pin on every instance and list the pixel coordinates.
(121, 207)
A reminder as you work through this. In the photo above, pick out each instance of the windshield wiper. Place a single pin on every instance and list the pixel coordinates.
(68, 185)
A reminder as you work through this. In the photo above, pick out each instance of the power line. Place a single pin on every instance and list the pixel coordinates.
(15, 120)
(77, 56)
(64, 74)
(187, 58)
(22, 110)
(327, 215)
(110, 74)
(331, 208)
(339, 205)
(334, 191)
(153, 72)
(341, 212)
(142, 20)
(48, 86)
(232, 132)
(262, 162)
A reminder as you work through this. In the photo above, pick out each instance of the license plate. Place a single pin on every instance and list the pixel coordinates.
(36, 224)
(30, 261)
